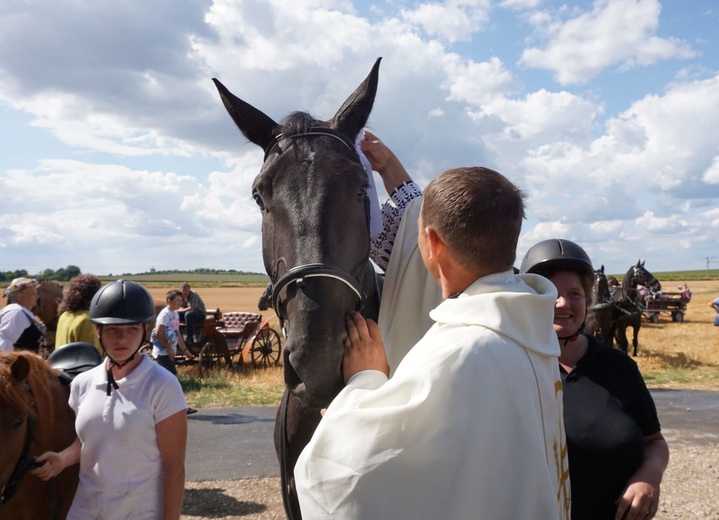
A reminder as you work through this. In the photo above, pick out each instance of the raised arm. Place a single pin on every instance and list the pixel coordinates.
(384, 162)
(400, 188)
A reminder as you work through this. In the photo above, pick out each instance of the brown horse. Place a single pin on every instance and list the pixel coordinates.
(49, 296)
(34, 418)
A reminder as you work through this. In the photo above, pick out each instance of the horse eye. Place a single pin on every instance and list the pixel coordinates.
(258, 200)
(18, 422)
(362, 193)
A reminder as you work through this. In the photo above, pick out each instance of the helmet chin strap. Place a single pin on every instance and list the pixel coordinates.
(573, 337)
(111, 383)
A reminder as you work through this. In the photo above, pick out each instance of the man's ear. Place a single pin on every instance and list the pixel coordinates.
(436, 244)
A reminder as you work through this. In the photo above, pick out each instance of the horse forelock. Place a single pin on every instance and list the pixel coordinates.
(298, 123)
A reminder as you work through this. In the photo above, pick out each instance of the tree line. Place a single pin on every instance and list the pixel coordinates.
(64, 274)
(61, 275)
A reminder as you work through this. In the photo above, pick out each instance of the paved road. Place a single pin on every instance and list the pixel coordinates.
(234, 443)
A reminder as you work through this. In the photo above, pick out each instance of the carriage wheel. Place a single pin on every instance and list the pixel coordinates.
(654, 317)
(209, 356)
(678, 317)
(266, 347)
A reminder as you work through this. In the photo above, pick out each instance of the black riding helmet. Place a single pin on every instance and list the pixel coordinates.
(122, 302)
(557, 253)
(549, 256)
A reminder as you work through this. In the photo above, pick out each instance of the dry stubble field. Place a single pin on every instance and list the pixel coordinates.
(689, 489)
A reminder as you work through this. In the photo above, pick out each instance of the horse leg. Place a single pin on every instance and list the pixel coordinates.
(621, 336)
(608, 336)
(300, 423)
(635, 339)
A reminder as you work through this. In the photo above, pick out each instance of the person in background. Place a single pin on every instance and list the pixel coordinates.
(166, 339)
(470, 423)
(193, 312)
(714, 304)
(130, 420)
(74, 322)
(18, 327)
(684, 292)
(617, 453)
(409, 292)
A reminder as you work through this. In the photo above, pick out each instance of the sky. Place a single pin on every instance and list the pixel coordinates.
(117, 156)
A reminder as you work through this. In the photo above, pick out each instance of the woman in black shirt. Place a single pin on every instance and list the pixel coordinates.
(617, 453)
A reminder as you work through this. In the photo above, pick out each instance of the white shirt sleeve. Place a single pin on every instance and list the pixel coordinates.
(12, 324)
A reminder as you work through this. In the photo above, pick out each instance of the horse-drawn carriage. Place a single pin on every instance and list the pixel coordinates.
(235, 338)
(674, 304)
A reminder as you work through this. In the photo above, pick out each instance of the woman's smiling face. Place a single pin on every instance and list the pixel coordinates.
(570, 309)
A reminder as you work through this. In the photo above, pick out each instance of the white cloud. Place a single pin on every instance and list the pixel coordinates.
(616, 33)
(149, 170)
(711, 175)
(451, 21)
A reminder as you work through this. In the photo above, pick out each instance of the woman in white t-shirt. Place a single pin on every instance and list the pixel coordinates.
(131, 420)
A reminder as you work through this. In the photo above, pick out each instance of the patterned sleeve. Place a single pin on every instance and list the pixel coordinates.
(392, 211)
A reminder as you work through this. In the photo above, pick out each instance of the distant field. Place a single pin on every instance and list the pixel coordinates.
(199, 280)
(680, 276)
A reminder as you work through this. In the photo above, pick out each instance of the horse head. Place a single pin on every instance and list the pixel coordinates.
(34, 417)
(15, 416)
(49, 296)
(639, 275)
(601, 286)
(312, 193)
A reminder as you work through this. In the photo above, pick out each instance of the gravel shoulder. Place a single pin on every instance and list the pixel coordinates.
(689, 489)
(689, 492)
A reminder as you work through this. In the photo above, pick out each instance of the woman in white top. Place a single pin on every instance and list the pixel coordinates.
(131, 420)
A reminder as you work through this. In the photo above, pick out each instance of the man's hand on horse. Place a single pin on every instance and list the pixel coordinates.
(363, 347)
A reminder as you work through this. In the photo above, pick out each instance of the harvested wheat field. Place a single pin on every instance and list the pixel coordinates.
(690, 483)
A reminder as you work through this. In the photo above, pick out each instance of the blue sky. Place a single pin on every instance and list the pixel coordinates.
(116, 154)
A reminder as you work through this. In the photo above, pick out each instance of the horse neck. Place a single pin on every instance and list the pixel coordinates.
(51, 411)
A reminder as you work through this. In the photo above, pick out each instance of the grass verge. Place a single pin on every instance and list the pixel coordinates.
(236, 387)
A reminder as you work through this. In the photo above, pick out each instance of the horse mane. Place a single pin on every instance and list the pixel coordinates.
(298, 123)
(38, 381)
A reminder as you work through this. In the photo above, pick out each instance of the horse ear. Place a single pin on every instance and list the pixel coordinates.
(20, 368)
(642, 265)
(602, 269)
(253, 123)
(354, 113)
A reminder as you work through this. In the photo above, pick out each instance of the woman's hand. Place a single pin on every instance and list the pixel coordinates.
(54, 463)
(384, 162)
(640, 498)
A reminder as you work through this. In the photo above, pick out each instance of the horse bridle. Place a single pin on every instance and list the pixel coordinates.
(298, 276)
(314, 131)
(23, 465)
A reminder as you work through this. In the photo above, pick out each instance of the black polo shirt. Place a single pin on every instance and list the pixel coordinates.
(607, 413)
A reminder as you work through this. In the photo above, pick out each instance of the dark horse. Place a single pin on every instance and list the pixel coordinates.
(312, 192)
(600, 317)
(629, 307)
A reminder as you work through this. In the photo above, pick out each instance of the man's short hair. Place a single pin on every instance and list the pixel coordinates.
(478, 212)
(185, 285)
